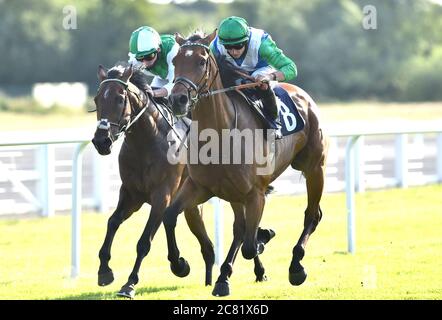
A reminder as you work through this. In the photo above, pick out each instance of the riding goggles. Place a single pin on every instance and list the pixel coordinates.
(147, 57)
(237, 46)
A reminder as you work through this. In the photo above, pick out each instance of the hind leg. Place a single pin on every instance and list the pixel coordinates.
(313, 214)
(190, 195)
(127, 204)
(263, 236)
(196, 225)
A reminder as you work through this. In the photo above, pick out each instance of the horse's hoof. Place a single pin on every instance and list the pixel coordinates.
(182, 269)
(265, 235)
(221, 289)
(260, 248)
(297, 278)
(261, 278)
(251, 252)
(127, 291)
(105, 279)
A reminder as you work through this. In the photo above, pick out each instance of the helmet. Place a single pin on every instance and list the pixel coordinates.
(143, 41)
(233, 30)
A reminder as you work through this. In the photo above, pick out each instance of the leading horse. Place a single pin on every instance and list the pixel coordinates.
(196, 77)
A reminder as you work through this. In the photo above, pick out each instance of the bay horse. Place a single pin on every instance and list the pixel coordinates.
(146, 174)
(196, 76)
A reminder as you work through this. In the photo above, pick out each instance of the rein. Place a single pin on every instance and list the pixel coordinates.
(190, 85)
(234, 88)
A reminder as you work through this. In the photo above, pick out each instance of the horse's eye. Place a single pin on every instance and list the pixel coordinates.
(202, 62)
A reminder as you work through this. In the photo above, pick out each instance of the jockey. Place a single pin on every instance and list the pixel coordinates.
(255, 51)
(154, 53)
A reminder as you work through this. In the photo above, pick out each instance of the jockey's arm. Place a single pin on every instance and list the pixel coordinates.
(162, 86)
(286, 68)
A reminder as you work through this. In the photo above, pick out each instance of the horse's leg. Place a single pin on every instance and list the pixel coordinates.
(254, 208)
(127, 204)
(259, 270)
(189, 195)
(313, 214)
(222, 284)
(159, 203)
(264, 236)
(221, 288)
(196, 225)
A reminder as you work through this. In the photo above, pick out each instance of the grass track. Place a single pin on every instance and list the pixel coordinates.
(399, 247)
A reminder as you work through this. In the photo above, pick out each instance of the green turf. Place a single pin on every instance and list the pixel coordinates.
(398, 253)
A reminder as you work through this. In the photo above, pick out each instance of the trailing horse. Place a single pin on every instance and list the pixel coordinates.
(198, 88)
(146, 174)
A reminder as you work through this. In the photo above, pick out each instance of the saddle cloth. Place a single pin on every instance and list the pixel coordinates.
(289, 116)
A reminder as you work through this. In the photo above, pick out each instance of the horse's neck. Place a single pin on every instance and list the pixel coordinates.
(215, 112)
(147, 125)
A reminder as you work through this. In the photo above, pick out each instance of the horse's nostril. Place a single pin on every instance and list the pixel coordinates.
(183, 99)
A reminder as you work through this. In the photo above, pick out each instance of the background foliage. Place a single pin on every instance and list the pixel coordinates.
(336, 57)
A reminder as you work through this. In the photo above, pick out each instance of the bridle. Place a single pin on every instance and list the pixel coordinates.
(200, 89)
(128, 116)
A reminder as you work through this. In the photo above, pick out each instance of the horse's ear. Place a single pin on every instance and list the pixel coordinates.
(127, 73)
(179, 38)
(208, 39)
(101, 73)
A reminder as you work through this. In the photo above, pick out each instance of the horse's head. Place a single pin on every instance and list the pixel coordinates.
(113, 106)
(193, 63)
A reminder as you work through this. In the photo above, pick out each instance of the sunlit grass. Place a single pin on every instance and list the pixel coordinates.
(398, 250)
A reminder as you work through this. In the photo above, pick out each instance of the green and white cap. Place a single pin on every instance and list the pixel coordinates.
(143, 41)
(233, 30)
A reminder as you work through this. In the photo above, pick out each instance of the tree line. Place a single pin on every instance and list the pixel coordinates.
(398, 57)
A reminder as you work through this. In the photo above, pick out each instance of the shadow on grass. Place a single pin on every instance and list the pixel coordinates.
(113, 295)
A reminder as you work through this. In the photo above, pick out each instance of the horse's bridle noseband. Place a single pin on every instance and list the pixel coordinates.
(201, 88)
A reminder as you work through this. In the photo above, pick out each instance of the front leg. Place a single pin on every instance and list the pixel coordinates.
(159, 201)
(190, 195)
(127, 204)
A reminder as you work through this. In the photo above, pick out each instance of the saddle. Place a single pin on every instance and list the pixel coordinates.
(255, 102)
(290, 118)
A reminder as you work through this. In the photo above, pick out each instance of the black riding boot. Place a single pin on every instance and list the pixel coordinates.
(269, 101)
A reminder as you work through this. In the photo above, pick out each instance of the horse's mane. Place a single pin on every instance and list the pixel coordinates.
(195, 36)
(139, 79)
(229, 73)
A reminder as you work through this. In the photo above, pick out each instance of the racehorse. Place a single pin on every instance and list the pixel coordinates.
(198, 88)
(147, 176)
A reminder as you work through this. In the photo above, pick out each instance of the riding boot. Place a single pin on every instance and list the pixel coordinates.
(271, 108)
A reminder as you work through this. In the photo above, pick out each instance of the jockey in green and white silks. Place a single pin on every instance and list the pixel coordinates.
(154, 53)
(255, 52)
